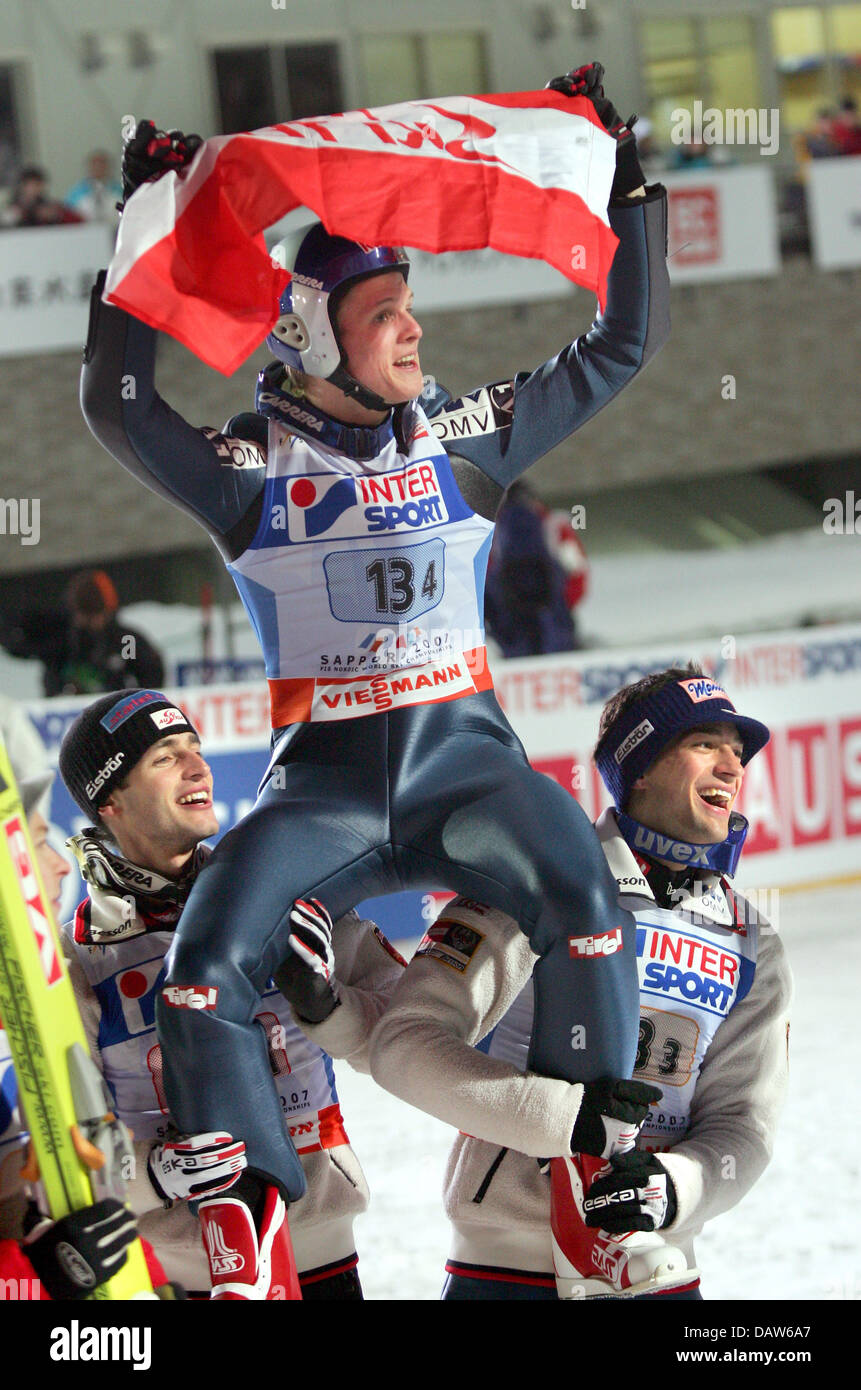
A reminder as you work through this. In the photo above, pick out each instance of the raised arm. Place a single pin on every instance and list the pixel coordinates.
(504, 428)
(215, 478)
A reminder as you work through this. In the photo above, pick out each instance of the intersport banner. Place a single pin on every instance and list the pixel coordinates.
(525, 173)
(801, 795)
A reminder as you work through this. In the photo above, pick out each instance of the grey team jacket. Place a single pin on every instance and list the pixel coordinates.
(469, 982)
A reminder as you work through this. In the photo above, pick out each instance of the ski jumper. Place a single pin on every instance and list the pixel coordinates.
(360, 557)
(117, 969)
(715, 990)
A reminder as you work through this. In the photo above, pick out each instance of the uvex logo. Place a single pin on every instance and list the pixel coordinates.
(665, 848)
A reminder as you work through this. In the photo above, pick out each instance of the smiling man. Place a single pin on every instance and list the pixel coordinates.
(133, 763)
(714, 998)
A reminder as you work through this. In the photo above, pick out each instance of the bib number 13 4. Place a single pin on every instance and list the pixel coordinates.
(402, 584)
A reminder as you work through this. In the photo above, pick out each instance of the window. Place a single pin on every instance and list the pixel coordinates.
(11, 135)
(407, 67)
(266, 85)
(706, 59)
(817, 51)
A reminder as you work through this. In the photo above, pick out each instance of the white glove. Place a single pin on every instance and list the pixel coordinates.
(193, 1166)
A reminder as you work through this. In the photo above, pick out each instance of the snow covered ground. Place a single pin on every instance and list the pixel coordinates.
(797, 1234)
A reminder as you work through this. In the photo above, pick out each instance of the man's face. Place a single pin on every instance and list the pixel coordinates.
(689, 791)
(52, 866)
(165, 807)
(380, 337)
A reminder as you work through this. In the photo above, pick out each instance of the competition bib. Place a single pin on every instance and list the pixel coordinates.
(365, 580)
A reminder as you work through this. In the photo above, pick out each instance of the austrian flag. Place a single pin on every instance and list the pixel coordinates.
(527, 173)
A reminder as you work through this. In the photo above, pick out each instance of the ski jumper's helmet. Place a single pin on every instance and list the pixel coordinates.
(323, 268)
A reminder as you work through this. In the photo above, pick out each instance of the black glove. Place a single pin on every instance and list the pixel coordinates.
(638, 1195)
(77, 1253)
(586, 82)
(307, 977)
(610, 1115)
(151, 153)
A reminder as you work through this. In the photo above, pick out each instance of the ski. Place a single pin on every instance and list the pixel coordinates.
(79, 1151)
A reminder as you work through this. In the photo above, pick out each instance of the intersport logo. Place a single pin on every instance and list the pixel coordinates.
(322, 507)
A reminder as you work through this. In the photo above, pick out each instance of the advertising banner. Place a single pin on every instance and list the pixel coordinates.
(834, 211)
(722, 224)
(45, 284)
(801, 795)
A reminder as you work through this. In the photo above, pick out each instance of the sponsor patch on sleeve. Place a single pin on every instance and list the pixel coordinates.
(450, 942)
(605, 943)
(190, 996)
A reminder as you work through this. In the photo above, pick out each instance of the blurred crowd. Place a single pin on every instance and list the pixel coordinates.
(92, 199)
(833, 133)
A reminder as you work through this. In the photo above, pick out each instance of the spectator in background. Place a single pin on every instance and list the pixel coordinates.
(536, 576)
(84, 648)
(27, 752)
(818, 142)
(846, 128)
(95, 197)
(31, 205)
(693, 154)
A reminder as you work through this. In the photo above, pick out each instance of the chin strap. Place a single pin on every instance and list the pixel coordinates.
(356, 391)
(722, 857)
(299, 415)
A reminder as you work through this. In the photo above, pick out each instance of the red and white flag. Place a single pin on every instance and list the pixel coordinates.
(527, 173)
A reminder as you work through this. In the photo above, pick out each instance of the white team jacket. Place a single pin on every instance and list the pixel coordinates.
(121, 1033)
(722, 1096)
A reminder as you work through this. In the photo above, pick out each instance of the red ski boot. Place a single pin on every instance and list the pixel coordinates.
(593, 1263)
(249, 1259)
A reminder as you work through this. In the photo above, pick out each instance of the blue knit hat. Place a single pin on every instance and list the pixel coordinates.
(642, 731)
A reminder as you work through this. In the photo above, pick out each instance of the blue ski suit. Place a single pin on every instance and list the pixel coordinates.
(393, 765)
